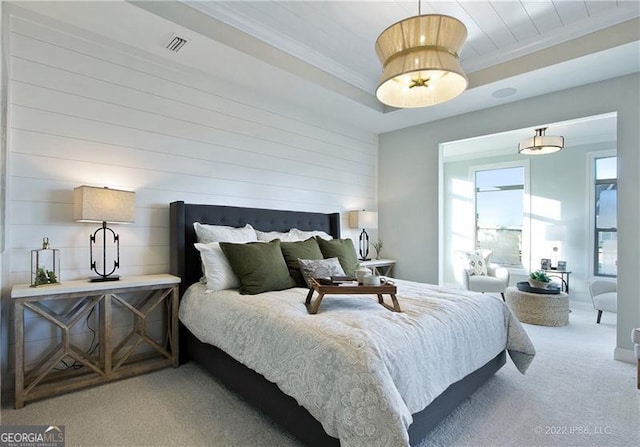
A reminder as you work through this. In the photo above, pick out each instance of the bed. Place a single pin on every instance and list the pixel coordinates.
(265, 394)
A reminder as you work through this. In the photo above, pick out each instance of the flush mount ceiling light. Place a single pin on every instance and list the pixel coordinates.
(541, 144)
(419, 56)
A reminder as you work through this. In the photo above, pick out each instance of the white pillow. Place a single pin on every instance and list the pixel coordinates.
(220, 233)
(477, 264)
(304, 235)
(217, 269)
(284, 237)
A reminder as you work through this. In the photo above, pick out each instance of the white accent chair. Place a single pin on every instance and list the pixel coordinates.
(604, 296)
(496, 280)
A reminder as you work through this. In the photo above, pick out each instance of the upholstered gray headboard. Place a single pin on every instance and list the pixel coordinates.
(185, 259)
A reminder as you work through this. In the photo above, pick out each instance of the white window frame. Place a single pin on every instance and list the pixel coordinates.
(591, 206)
(526, 208)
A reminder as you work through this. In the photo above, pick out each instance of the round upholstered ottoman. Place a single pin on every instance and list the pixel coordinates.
(539, 308)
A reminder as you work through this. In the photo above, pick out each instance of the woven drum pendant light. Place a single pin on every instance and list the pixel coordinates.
(419, 56)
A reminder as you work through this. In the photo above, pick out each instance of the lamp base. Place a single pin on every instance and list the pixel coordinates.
(363, 243)
(104, 278)
(364, 259)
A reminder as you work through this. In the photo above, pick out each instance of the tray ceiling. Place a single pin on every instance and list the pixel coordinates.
(318, 57)
(338, 37)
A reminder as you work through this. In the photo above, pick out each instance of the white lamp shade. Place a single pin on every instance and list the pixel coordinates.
(92, 204)
(363, 219)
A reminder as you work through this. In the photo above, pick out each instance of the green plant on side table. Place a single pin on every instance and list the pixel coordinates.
(539, 280)
(45, 277)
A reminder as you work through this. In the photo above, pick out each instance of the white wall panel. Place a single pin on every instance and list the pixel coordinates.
(66, 132)
(50, 146)
(162, 80)
(81, 112)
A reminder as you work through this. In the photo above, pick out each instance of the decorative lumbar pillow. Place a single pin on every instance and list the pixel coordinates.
(217, 270)
(284, 237)
(206, 233)
(292, 251)
(342, 249)
(304, 235)
(477, 264)
(260, 266)
(320, 268)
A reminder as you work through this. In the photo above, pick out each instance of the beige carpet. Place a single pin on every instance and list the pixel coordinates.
(574, 394)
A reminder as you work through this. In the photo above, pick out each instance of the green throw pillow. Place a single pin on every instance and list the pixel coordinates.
(342, 249)
(292, 251)
(259, 266)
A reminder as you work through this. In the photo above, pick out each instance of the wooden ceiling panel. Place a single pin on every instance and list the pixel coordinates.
(487, 19)
(543, 15)
(570, 12)
(517, 19)
(598, 7)
(476, 39)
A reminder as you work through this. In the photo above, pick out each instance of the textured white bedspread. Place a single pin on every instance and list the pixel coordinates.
(358, 368)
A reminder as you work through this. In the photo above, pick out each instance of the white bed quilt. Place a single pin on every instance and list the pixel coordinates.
(358, 368)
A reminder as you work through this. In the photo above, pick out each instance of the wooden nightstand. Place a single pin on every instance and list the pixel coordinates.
(138, 296)
(382, 267)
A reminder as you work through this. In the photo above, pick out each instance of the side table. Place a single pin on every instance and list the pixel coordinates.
(382, 267)
(538, 308)
(563, 275)
(139, 296)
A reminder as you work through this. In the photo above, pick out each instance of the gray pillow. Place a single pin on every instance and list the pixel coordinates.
(259, 266)
(320, 268)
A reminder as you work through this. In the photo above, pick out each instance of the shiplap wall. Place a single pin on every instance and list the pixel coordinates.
(82, 112)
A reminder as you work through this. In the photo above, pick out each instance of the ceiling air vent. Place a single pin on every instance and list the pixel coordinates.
(176, 43)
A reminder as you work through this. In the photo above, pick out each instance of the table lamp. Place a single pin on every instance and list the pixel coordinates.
(555, 233)
(92, 204)
(363, 219)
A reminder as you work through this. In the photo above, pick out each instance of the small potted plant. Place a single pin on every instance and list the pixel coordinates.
(377, 246)
(539, 280)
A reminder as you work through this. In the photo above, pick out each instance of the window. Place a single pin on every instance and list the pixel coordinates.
(499, 203)
(606, 224)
